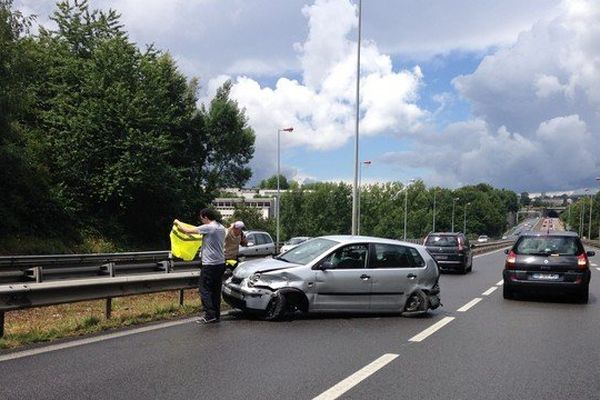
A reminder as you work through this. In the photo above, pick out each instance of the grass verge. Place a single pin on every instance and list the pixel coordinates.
(45, 324)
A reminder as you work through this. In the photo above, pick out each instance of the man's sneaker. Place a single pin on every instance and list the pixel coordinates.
(204, 320)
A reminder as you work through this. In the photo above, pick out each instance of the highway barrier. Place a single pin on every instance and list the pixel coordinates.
(37, 281)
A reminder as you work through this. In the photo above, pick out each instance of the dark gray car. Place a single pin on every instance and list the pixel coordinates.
(451, 250)
(338, 274)
(554, 261)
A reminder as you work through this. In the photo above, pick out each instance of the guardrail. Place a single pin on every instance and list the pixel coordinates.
(36, 281)
(592, 243)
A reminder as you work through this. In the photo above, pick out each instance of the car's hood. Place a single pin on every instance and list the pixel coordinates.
(247, 268)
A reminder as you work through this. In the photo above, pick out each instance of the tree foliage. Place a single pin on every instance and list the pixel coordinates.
(115, 130)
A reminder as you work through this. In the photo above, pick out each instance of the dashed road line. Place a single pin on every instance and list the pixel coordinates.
(598, 269)
(357, 377)
(431, 330)
(489, 291)
(470, 304)
(500, 283)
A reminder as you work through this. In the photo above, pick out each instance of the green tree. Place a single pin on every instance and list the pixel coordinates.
(271, 183)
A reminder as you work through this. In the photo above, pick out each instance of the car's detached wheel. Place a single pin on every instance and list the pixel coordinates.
(276, 308)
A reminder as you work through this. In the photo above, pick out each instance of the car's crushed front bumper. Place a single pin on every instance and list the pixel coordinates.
(243, 297)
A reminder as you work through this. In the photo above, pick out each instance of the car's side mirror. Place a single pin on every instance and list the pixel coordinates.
(325, 265)
(506, 251)
(591, 253)
(250, 244)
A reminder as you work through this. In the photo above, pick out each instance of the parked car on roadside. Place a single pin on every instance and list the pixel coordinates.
(337, 274)
(451, 250)
(483, 239)
(293, 242)
(259, 243)
(552, 261)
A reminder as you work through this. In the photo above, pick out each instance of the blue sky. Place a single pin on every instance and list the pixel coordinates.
(452, 92)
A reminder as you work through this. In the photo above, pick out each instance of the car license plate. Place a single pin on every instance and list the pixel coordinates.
(546, 277)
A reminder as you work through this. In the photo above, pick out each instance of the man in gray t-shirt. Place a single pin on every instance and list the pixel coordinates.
(213, 262)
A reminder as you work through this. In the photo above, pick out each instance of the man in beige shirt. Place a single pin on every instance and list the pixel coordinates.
(234, 238)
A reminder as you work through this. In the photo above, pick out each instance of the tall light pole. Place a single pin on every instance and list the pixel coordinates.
(406, 205)
(433, 223)
(569, 203)
(365, 163)
(279, 173)
(465, 218)
(598, 180)
(582, 215)
(454, 200)
(590, 221)
(355, 188)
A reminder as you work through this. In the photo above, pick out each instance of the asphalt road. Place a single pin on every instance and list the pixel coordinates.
(532, 348)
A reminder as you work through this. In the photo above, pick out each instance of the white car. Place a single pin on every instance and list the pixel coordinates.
(293, 242)
(483, 239)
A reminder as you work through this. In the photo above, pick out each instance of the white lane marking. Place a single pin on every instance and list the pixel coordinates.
(500, 283)
(75, 343)
(431, 330)
(489, 291)
(492, 252)
(357, 377)
(470, 304)
(598, 269)
(594, 265)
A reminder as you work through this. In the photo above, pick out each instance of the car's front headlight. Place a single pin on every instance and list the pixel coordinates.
(256, 278)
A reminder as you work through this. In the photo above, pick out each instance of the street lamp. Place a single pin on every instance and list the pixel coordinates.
(598, 180)
(465, 218)
(279, 173)
(582, 215)
(433, 223)
(454, 200)
(590, 221)
(366, 163)
(406, 205)
(355, 187)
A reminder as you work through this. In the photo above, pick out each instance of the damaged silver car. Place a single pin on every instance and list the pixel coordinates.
(354, 274)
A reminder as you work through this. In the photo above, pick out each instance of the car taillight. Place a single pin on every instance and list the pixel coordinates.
(511, 260)
(460, 244)
(582, 261)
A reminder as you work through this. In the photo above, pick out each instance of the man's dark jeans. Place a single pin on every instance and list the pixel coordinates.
(211, 280)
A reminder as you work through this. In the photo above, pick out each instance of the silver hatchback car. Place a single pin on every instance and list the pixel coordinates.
(338, 274)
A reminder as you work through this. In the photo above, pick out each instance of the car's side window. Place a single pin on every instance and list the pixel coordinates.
(259, 239)
(393, 256)
(266, 239)
(251, 238)
(354, 256)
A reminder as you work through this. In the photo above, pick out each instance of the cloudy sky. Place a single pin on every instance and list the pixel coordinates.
(452, 92)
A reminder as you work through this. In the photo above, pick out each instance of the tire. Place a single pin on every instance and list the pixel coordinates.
(508, 293)
(416, 303)
(583, 295)
(276, 308)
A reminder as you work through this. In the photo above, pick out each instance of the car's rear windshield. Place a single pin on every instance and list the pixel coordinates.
(545, 245)
(442, 241)
(307, 251)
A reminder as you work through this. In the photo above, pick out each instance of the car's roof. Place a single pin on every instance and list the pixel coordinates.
(445, 234)
(247, 232)
(549, 233)
(362, 239)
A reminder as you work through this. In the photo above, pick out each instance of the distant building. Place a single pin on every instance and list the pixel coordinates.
(261, 199)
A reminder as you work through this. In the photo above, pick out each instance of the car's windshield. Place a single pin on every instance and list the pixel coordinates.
(442, 241)
(308, 251)
(544, 245)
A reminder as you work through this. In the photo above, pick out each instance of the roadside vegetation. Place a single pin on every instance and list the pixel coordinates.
(45, 324)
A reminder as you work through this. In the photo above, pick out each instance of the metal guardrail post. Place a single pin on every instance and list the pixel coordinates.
(108, 308)
(181, 297)
(38, 274)
(1, 324)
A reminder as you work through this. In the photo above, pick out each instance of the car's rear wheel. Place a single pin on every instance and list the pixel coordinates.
(507, 292)
(416, 303)
(276, 308)
(583, 295)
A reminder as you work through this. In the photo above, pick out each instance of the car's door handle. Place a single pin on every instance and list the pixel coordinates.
(365, 277)
(411, 276)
